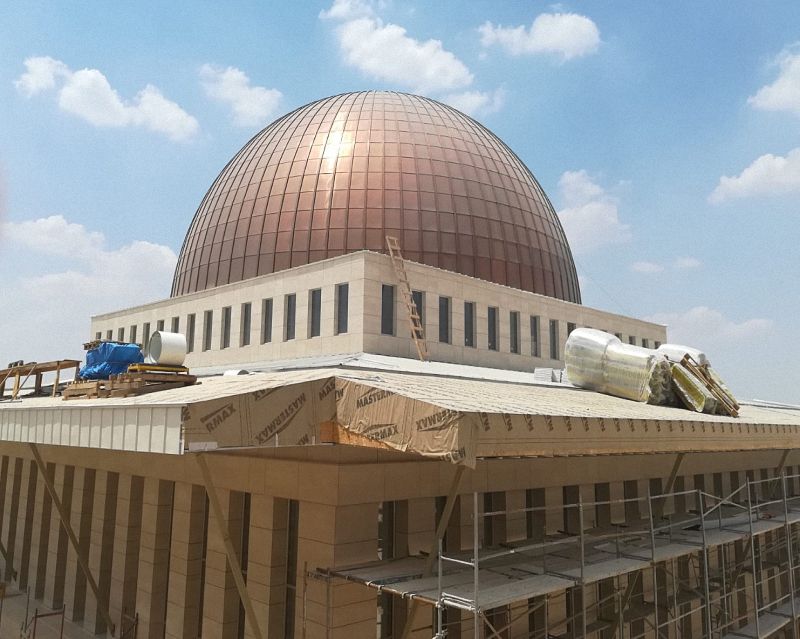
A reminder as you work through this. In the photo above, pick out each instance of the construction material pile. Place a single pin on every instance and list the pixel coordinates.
(671, 375)
(119, 369)
(104, 359)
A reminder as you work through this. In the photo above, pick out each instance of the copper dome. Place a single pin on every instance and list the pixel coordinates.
(338, 175)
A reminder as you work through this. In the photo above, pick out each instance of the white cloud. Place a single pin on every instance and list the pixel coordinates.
(647, 267)
(477, 102)
(702, 325)
(347, 10)
(52, 236)
(767, 175)
(568, 35)
(46, 314)
(590, 216)
(88, 95)
(686, 263)
(386, 52)
(41, 75)
(784, 93)
(251, 105)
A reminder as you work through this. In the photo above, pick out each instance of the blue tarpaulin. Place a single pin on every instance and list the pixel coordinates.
(110, 359)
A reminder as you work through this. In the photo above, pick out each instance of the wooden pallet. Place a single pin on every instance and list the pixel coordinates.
(127, 385)
(156, 368)
(726, 402)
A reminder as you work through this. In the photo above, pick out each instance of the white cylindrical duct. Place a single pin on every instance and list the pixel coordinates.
(167, 349)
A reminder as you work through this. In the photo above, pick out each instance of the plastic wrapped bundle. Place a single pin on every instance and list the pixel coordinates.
(628, 370)
(599, 361)
(692, 391)
(676, 352)
(584, 357)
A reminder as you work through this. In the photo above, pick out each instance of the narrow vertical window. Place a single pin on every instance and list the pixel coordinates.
(160, 325)
(98, 335)
(190, 322)
(513, 331)
(208, 322)
(570, 328)
(266, 320)
(342, 294)
(225, 333)
(632, 340)
(314, 312)
(657, 344)
(645, 342)
(132, 334)
(244, 326)
(289, 315)
(145, 337)
(120, 334)
(175, 325)
(536, 345)
(419, 302)
(554, 339)
(469, 324)
(491, 328)
(618, 336)
(387, 309)
(444, 320)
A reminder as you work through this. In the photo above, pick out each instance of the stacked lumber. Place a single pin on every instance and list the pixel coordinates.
(139, 380)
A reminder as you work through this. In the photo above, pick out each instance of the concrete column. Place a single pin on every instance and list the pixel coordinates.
(153, 572)
(4, 465)
(186, 562)
(220, 597)
(58, 543)
(101, 548)
(127, 534)
(10, 517)
(81, 520)
(40, 537)
(266, 563)
(415, 524)
(25, 521)
(348, 611)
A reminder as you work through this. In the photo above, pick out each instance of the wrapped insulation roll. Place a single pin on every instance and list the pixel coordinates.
(599, 361)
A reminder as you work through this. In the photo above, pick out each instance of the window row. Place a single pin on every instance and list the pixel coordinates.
(388, 323)
(202, 327)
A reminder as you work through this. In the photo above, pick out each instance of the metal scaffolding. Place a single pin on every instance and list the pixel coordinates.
(684, 563)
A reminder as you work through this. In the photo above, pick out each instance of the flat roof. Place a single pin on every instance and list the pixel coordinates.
(445, 411)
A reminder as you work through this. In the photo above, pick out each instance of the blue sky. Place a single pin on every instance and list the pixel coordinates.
(667, 135)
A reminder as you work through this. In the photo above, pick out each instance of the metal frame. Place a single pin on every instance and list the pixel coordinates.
(666, 569)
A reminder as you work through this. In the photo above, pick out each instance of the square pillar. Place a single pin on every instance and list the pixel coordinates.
(101, 548)
(127, 535)
(40, 537)
(10, 514)
(333, 609)
(266, 564)
(25, 521)
(154, 558)
(220, 596)
(81, 520)
(186, 562)
(58, 544)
